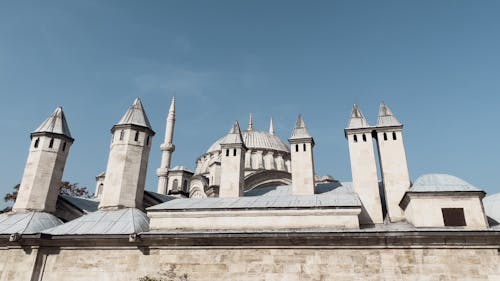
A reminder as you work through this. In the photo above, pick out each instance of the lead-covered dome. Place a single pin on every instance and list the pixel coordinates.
(254, 139)
(441, 182)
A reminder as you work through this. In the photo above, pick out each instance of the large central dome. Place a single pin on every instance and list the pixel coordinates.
(256, 140)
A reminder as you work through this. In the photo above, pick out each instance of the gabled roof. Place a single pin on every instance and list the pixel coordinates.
(300, 131)
(27, 223)
(327, 195)
(357, 120)
(56, 124)
(234, 135)
(122, 221)
(135, 115)
(386, 118)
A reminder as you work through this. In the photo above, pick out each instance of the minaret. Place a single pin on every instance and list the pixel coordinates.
(363, 167)
(167, 148)
(302, 144)
(233, 149)
(128, 160)
(271, 126)
(393, 164)
(50, 144)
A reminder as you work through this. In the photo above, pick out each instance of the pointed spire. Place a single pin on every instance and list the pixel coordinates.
(271, 126)
(300, 131)
(357, 120)
(250, 123)
(56, 124)
(386, 117)
(172, 105)
(135, 115)
(234, 136)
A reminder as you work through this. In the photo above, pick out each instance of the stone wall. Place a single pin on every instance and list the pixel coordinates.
(212, 263)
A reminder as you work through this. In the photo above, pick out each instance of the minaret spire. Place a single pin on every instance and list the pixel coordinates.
(271, 126)
(250, 123)
(167, 149)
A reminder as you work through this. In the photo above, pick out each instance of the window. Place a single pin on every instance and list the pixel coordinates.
(185, 185)
(296, 148)
(227, 152)
(364, 137)
(394, 135)
(453, 216)
(304, 147)
(136, 138)
(51, 143)
(385, 136)
(121, 134)
(147, 140)
(37, 141)
(175, 185)
(355, 138)
(234, 152)
(64, 146)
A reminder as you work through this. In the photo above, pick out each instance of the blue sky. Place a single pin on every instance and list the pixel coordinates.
(435, 63)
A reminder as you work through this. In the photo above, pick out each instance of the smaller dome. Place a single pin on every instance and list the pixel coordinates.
(181, 168)
(441, 182)
(254, 139)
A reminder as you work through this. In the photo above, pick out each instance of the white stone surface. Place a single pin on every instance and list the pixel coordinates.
(167, 148)
(302, 159)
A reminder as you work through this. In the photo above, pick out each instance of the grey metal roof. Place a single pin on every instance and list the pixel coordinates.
(56, 123)
(357, 120)
(328, 195)
(84, 204)
(300, 131)
(440, 183)
(160, 197)
(255, 139)
(234, 135)
(123, 221)
(492, 207)
(135, 115)
(386, 117)
(181, 168)
(27, 223)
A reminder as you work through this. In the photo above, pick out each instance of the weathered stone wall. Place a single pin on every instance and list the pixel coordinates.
(129, 263)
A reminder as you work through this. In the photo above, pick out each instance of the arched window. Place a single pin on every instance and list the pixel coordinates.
(37, 141)
(394, 135)
(234, 152)
(385, 136)
(122, 133)
(355, 138)
(364, 137)
(51, 143)
(296, 148)
(304, 147)
(64, 146)
(227, 152)
(175, 185)
(136, 138)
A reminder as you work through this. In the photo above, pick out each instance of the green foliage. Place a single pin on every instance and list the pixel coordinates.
(169, 275)
(67, 188)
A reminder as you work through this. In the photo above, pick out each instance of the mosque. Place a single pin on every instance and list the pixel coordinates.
(253, 209)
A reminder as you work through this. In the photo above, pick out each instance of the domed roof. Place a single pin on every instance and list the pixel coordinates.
(441, 182)
(256, 140)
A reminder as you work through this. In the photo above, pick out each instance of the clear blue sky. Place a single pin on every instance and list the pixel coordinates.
(435, 63)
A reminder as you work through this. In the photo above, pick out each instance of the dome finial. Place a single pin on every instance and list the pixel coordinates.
(250, 123)
(271, 126)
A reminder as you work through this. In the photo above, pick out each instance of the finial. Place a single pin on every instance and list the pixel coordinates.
(172, 105)
(300, 122)
(271, 127)
(250, 123)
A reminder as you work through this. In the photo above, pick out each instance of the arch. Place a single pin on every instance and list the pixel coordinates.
(364, 137)
(267, 178)
(37, 141)
(394, 136)
(355, 138)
